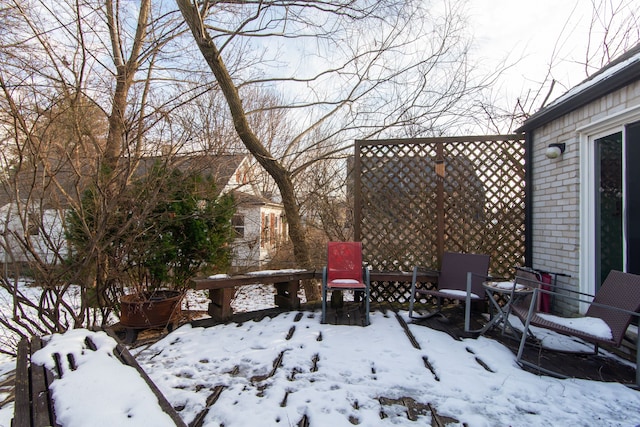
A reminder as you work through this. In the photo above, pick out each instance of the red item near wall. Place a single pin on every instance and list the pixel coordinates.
(544, 300)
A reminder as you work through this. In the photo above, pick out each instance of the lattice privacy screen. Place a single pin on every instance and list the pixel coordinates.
(416, 198)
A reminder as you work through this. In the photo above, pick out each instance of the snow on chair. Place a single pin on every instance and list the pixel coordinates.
(344, 271)
(610, 313)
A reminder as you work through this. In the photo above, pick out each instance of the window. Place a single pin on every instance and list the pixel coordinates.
(237, 221)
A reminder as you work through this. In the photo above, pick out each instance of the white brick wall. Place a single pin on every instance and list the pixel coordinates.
(556, 184)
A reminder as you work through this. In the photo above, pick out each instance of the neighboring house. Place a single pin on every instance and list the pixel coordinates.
(259, 222)
(260, 229)
(585, 203)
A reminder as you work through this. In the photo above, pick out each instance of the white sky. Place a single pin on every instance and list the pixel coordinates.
(527, 32)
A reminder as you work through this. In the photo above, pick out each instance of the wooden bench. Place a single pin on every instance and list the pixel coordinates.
(222, 289)
(33, 403)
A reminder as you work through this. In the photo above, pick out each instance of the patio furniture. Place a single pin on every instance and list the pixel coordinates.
(540, 278)
(460, 278)
(518, 293)
(612, 309)
(344, 271)
(514, 292)
(222, 289)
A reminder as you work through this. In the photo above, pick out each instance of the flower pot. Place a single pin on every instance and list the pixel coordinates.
(150, 310)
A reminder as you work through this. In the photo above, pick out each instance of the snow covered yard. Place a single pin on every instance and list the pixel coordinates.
(291, 369)
(279, 370)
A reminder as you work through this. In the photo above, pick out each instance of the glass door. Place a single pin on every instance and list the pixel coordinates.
(609, 206)
(632, 197)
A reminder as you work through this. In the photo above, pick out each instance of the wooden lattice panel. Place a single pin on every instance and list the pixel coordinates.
(415, 199)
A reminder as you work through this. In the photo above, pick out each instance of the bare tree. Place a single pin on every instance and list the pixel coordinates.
(85, 89)
(355, 69)
(612, 28)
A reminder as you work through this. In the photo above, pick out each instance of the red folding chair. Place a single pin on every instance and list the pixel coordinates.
(344, 271)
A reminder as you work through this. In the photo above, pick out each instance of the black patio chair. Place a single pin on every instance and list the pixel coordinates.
(616, 303)
(454, 282)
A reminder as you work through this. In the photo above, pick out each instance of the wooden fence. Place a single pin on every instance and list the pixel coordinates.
(417, 198)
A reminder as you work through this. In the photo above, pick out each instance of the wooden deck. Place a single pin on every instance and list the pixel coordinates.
(349, 314)
(590, 367)
(34, 406)
(593, 368)
(597, 368)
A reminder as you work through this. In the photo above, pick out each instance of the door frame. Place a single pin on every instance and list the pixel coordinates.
(587, 135)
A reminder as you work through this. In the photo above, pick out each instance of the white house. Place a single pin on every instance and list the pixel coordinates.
(259, 222)
(584, 180)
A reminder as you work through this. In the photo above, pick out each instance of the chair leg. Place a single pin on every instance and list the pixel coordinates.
(527, 324)
(638, 362)
(324, 305)
(467, 304)
(412, 298)
(367, 306)
(523, 339)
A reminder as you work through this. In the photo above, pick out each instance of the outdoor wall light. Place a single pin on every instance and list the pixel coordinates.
(555, 150)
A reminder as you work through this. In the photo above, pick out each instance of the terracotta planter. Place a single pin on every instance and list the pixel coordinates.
(152, 310)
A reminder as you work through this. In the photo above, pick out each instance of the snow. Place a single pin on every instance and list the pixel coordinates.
(101, 389)
(595, 79)
(335, 375)
(506, 285)
(590, 325)
(7, 365)
(457, 293)
(357, 366)
(272, 272)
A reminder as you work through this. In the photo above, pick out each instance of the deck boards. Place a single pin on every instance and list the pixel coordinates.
(594, 368)
(590, 367)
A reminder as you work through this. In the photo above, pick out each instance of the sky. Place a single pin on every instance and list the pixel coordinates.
(531, 35)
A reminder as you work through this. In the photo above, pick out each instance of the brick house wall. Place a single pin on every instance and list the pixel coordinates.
(558, 185)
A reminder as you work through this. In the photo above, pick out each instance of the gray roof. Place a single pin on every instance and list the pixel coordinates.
(57, 185)
(220, 167)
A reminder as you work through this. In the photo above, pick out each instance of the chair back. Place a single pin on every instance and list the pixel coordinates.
(528, 277)
(454, 268)
(344, 261)
(620, 290)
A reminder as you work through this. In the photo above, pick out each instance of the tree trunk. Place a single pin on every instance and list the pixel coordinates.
(281, 176)
(125, 71)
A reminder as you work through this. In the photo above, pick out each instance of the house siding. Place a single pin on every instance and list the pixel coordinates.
(258, 245)
(48, 242)
(556, 186)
